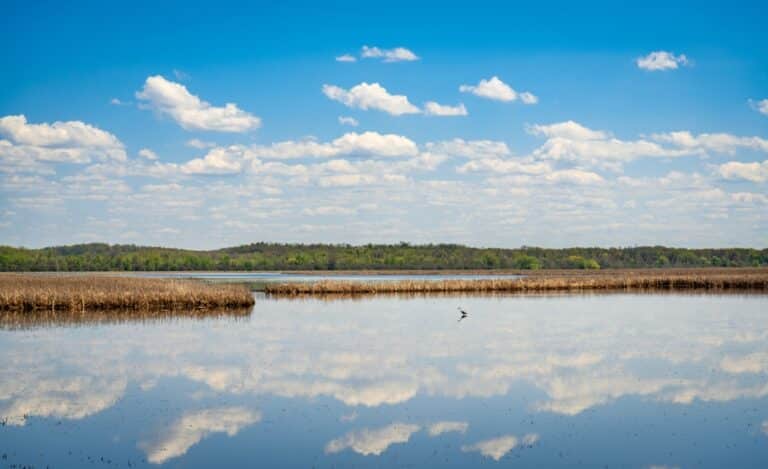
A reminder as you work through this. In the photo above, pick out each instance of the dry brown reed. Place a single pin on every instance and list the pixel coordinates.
(699, 279)
(30, 292)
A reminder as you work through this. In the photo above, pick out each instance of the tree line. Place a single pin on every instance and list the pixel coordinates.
(276, 256)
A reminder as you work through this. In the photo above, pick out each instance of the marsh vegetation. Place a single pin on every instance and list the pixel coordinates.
(30, 292)
(648, 279)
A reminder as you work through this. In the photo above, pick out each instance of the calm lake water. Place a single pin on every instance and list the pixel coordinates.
(290, 277)
(542, 381)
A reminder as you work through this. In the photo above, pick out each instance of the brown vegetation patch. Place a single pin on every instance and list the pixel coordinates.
(29, 292)
(664, 280)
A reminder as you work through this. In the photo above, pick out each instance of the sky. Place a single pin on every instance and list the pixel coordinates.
(204, 125)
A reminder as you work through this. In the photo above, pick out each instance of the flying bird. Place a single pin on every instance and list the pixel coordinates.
(464, 314)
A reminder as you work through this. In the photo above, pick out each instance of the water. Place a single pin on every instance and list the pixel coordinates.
(541, 381)
(267, 277)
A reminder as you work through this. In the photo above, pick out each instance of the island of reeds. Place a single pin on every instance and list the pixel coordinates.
(642, 280)
(81, 293)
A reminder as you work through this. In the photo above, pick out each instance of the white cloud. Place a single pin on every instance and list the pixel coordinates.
(63, 142)
(398, 54)
(193, 427)
(328, 210)
(574, 176)
(147, 154)
(373, 143)
(371, 96)
(760, 106)
(494, 88)
(661, 60)
(751, 363)
(58, 134)
(199, 144)
(350, 121)
(220, 160)
(568, 129)
(118, 102)
(376, 441)
(473, 149)
(192, 113)
(438, 428)
(528, 98)
(717, 142)
(574, 142)
(432, 108)
(497, 165)
(755, 172)
(494, 448)
(360, 144)
(234, 159)
(346, 58)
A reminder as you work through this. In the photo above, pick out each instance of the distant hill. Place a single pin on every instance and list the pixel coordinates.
(273, 256)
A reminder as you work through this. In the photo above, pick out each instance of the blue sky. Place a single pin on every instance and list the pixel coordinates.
(560, 124)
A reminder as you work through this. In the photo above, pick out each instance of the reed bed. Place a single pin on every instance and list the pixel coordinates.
(716, 279)
(80, 293)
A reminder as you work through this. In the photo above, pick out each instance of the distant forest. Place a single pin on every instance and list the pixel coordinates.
(271, 256)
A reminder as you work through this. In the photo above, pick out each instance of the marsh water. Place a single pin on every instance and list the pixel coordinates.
(618, 380)
(280, 277)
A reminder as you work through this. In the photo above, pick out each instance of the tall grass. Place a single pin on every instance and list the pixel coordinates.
(29, 292)
(699, 279)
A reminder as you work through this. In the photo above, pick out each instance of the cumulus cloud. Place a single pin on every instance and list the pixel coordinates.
(58, 134)
(572, 141)
(432, 108)
(398, 54)
(661, 60)
(371, 96)
(494, 88)
(147, 154)
(220, 160)
(199, 144)
(373, 441)
(360, 144)
(568, 129)
(346, 58)
(62, 142)
(755, 172)
(716, 142)
(438, 428)
(497, 165)
(192, 113)
(760, 106)
(528, 98)
(193, 427)
(234, 159)
(574, 176)
(473, 149)
(350, 121)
